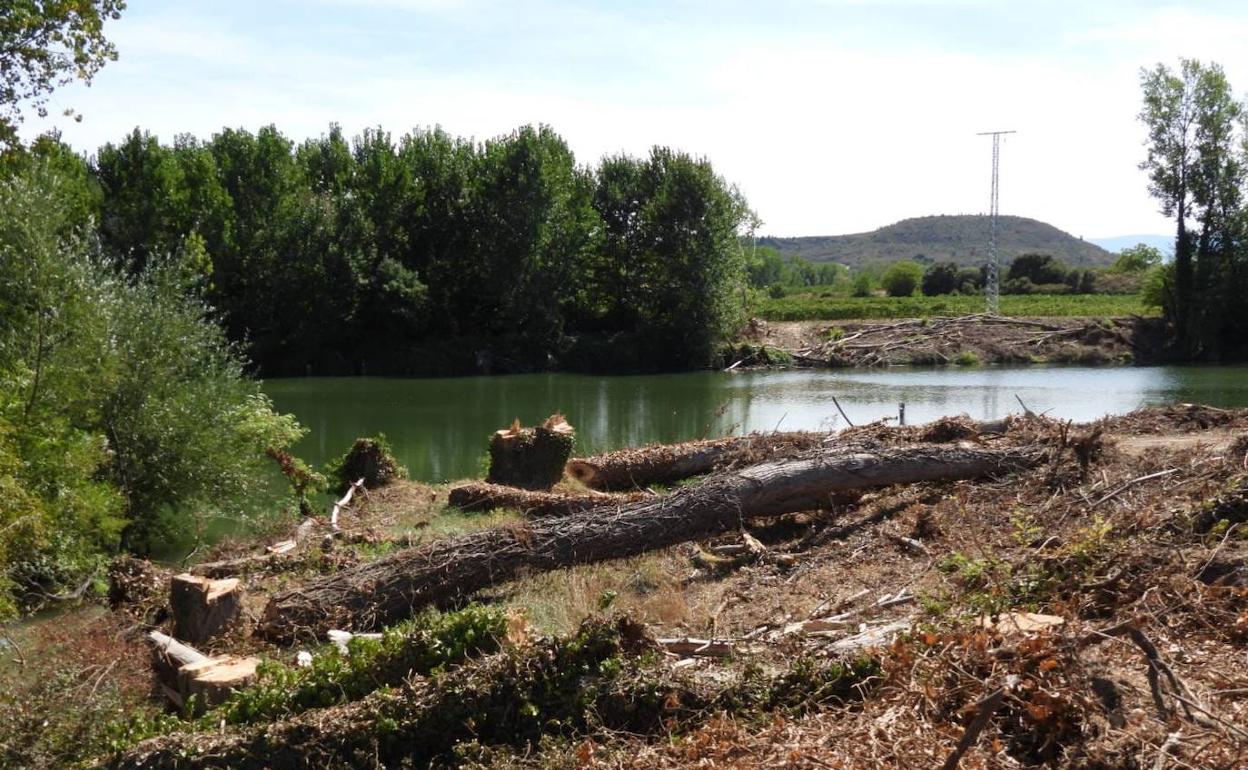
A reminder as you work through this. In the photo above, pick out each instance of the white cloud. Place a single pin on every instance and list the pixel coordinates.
(824, 131)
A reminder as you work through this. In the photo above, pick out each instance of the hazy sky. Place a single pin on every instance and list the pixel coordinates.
(832, 116)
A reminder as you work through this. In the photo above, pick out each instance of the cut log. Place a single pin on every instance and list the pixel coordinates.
(531, 458)
(393, 587)
(478, 496)
(664, 464)
(184, 671)
(214, 679)
(203, 607)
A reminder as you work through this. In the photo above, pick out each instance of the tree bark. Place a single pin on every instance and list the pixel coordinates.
(664, 464)
(203, 608)
(392, 588)
(479, 496)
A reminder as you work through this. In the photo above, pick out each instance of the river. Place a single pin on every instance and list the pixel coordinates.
(439, 427)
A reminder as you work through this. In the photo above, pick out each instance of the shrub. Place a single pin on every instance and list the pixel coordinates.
(371, 459)
(1040, 269)
(121, 403)
(901, 279)
(941, 278)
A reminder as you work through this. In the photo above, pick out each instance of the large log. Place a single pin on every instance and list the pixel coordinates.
(664, 464)
(479, 496)
(392, 588)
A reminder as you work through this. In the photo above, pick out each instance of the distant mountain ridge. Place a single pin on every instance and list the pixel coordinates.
(960, 238)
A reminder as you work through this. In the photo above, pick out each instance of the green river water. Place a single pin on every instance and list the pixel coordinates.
(439, 427)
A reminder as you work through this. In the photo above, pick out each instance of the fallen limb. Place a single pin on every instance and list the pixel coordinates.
(340, 505)
(395, 586)
(706, 648)
(483, 496)
(663, 464)
(987, 707)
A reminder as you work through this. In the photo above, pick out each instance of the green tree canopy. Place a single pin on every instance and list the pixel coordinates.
(941, 278)
(45, 44)
(900, 279)
(1196, 162)
(1136, 259)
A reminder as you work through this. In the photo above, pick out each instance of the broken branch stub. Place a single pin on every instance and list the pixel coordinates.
(394, 587)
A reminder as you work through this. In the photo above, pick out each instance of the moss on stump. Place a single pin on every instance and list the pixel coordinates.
(531, 458)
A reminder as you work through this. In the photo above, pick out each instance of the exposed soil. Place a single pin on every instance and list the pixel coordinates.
(960, 340)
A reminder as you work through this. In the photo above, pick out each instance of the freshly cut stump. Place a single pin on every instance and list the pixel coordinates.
(531, 458)
(203, 607)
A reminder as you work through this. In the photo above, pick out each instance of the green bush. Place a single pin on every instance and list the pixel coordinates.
(902, 278)
(425, 645)
(121, 403)
(371, 459)
(941, 278)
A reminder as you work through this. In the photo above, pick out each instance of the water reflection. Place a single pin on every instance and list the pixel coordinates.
(439, 427)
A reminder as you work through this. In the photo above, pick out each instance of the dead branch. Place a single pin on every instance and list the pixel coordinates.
(986, 708)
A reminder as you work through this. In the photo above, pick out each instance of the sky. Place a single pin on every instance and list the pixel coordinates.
(831, 116)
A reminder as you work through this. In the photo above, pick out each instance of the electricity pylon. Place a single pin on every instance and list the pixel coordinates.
(992, 286)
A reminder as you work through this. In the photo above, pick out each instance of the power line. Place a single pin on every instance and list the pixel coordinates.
(992, 287)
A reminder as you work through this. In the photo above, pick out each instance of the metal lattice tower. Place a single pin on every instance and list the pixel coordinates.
(992, 286)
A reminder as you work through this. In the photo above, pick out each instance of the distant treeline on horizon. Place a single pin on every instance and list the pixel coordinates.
(424, 253)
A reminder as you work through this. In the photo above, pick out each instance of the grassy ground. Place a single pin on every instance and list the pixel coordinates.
(819, 304)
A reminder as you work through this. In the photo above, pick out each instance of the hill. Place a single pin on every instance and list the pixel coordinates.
(958, 238)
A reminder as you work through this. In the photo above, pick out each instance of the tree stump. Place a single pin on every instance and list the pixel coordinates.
(531, 458)
(203, 607)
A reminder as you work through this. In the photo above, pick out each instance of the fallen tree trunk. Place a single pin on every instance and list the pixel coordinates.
(664, 464)
(392, 588)
(479, 496)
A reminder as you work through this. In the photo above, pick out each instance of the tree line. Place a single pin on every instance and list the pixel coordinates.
(1197, 164)
(140, 287)
(427, 253)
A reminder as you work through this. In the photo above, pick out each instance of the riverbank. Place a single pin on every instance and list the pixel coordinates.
(873, 630)
(956, 340)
